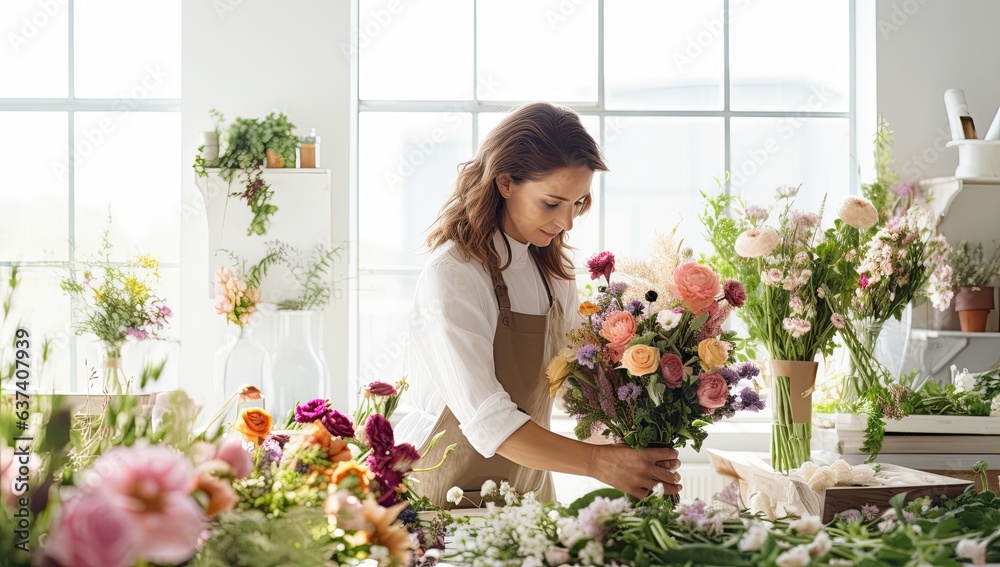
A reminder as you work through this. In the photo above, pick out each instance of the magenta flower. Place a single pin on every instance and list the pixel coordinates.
(601, 264)
(864, 281)
(137, 334)
(734, 293)
(312, 410)
(388, 461)
(338, 424)
(165, 311)
(380, 389)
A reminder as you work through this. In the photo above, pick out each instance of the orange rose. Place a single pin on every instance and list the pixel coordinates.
(588, 308)
(696, 285)
(619, 328)
(254, 424)
(349, 473)
(219, 494)
(319, 437)
(641, 360)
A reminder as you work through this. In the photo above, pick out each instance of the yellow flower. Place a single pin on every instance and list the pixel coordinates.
(148, 262)
(568, 353)
(135, 288)
(556, 372)
(713, 353)
(641, 360)
(589, 308)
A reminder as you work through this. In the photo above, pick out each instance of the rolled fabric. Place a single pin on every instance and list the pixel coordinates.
(954, 102)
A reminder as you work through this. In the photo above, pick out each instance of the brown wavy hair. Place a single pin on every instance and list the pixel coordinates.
(531, 142)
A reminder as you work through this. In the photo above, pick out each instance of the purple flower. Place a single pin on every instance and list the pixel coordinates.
(380, 389)
(747, 370)
(617, 288)
(734, 293)
(587, 355)
(635, 307)
(869, 512)
(338, 424)
(272, 447)
(312, 410)
(750, 401)
(165, 311)
(597, 321)
(629, 392)
(388, 461)
(732, 378)
(693, 513)
(601, 264)
(137, 334)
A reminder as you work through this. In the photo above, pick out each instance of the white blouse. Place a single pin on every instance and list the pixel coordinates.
(452, 325)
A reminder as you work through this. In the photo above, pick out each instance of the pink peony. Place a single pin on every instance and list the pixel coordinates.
(231, 452)
(713, 391)
(94, 530)
(153, 486)
(672, 369)
(619, 328)
(696, 285)
(734, 292)
(601, 264)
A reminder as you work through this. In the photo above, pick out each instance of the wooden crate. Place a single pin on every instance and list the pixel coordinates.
(793, 496)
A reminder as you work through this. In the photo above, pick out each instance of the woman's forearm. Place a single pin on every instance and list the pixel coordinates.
(535, 447)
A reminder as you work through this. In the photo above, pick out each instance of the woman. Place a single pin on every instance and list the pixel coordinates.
(494, 303)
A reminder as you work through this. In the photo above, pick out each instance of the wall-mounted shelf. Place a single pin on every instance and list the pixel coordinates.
(281, 171)
(932, 334)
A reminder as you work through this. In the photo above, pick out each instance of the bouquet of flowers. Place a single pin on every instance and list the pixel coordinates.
(793, 278)
(655, 372)
(239, 299)
(116, 304)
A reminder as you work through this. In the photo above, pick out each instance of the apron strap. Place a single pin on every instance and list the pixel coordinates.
(500, 286)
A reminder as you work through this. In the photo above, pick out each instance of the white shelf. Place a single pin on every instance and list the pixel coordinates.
(281, 171)
(933, 334)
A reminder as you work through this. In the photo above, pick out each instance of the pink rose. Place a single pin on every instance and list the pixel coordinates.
(232, 453)
(94, 530)
(616, 352)
(601, 264)
(713, 391)
(696, 285)
(673, 370)
(618, 328)
(154, 485)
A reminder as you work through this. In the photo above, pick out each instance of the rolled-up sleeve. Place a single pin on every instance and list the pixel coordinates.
(452, 336)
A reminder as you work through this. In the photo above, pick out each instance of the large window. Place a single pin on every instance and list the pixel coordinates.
(89, 127)
(676, 92)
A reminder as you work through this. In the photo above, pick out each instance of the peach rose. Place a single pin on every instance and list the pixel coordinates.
(713, 392)
(254, 424)
(618, 328)
(672, 369)
(556, 372)
(713, 353)
(641, 360)
(696, 285)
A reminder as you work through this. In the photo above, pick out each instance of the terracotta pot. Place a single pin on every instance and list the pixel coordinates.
(974, 306)
(274, 160)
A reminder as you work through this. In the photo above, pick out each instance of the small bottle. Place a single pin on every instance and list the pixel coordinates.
(309, 150)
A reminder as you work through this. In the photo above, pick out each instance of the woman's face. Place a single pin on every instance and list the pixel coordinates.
(538, 211)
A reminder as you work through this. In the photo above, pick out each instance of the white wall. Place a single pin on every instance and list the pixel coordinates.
(925, 47)
(248, 58)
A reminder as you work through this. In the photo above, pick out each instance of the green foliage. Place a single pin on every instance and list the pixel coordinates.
(971, 268)
(253, 539)
(313, 274)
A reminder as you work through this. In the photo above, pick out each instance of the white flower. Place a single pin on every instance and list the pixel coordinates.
(964, 381)
(806, 471)
(821, 545)
(797, 327)
(455, 495)
(568, 353)
(858, 212)
(796, 305)
(557, 555)
(380, 554)
(757, 242)
(504, 487)
(753, 538)
(658, 490)
(842, 470)
(838, 320)
(488, 487)
(772, 276)
(995, 406)
(511, 498)
(972, 550)
(797, 556)
(862, 475)
(807, 524)
(592, 553)
(668, 319)
(761, 503)
(786, 192)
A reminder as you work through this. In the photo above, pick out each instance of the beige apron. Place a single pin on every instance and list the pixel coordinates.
(522, 348)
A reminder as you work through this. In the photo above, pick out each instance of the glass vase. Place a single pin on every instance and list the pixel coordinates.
(115, 381)
(297, 372)
(242, 360)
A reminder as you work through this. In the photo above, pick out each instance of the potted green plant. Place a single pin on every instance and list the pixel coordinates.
(973, 275)
(245, 146)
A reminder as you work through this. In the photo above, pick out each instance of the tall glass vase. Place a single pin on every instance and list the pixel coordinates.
(242, 360)
(792, 383)
(297, 372)
(115, 381)
(856, 380)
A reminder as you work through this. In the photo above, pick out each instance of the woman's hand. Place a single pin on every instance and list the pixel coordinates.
(636, 472)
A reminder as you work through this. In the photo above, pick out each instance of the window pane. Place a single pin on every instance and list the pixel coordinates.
(537, 51)
(39, 306)
(770, 152)
(415, 52)
(663, 55)
(384, 308)
(34, 192)
(127, 163)
(35, 60)
(790, 55)
(150, 66)
(657, 166)
(407, 169)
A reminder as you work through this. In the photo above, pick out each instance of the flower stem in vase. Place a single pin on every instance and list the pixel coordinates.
(115, 381)
(791, 429)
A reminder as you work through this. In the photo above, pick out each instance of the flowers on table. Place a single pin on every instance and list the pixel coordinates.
(254, 424)
(648, 376)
